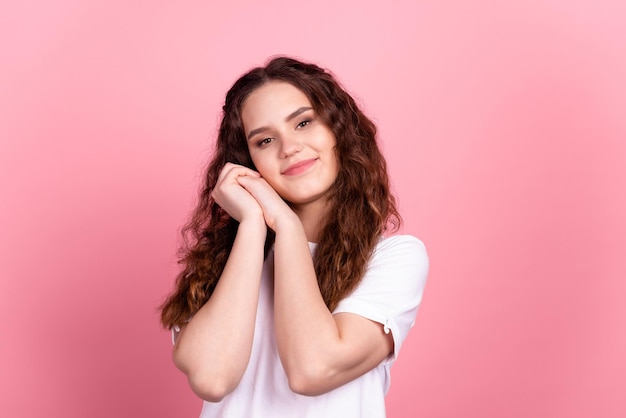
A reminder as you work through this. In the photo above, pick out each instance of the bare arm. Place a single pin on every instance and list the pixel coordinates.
(213, 349)
(319, 351)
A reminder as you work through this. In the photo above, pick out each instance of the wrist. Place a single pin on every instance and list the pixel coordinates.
(253, 227)
(288, 224)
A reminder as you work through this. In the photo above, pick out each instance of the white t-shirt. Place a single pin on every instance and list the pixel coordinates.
(389, 293)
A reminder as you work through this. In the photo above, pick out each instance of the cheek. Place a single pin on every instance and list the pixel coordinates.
(261, 164)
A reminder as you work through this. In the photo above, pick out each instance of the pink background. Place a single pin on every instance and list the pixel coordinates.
(504, 126)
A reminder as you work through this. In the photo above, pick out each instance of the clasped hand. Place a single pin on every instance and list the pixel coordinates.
(245, 195)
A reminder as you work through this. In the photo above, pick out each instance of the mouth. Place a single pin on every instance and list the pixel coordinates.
(299, 167)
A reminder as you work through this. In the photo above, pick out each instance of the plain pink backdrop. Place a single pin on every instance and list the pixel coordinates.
(504, 126)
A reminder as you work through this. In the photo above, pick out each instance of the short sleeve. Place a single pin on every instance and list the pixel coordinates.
(392, 288)
(175, 332)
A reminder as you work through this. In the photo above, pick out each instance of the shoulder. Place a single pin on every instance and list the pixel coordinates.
(400, 242)
(398, 266)
(400, 250)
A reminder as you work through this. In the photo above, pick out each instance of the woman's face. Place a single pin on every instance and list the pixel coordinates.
(291, 147)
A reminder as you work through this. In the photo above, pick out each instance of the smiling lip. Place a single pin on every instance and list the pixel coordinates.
(299, 167)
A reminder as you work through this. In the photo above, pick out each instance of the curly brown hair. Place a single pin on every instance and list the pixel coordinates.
(361, 206)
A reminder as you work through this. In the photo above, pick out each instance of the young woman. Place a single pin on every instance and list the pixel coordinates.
(291, 302)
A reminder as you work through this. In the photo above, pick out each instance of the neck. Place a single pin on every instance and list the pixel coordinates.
(311, 215)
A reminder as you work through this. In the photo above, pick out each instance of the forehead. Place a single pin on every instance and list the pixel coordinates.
(273, 99)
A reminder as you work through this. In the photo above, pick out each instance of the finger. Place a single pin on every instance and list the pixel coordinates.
(240, 170)
(253, 184)
(272, 205)
(260, 189)
(232, 171)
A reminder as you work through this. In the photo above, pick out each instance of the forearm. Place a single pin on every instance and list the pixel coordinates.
(307, 334)
(213, 349)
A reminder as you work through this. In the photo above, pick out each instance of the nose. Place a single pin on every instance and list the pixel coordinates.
(290, 145)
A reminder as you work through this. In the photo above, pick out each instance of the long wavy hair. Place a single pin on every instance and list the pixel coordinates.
(361, 206)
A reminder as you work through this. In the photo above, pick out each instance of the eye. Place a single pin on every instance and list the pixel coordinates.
(264, 142)
(303, 123)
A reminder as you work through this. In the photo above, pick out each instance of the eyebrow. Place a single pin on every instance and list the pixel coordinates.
(287, 119)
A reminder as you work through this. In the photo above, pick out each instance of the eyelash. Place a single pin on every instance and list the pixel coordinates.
(265, 141)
